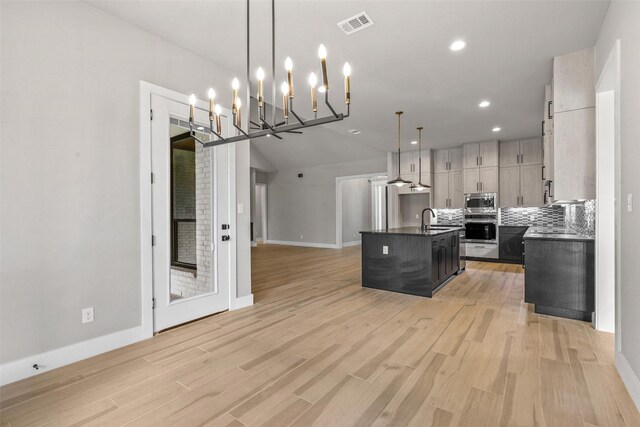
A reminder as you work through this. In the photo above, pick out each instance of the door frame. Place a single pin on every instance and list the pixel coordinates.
(263, 213)
(609, 82)
(146, 207)
(339, 181)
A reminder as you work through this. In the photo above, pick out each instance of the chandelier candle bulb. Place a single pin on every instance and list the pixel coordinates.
(322, 54)
(212, 97)
(192, 108)
(285, 99)
(235, 85)
(238, 118)
(346, 70)
(288, 65)
(260, 76)
(218, 112)
(313, 81)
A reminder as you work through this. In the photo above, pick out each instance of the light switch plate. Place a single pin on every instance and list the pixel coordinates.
(385, 250)
(629, 202)
(240, 208)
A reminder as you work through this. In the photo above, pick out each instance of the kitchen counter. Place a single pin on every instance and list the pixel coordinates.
(416, 231)
(410, 260)
(561, 234)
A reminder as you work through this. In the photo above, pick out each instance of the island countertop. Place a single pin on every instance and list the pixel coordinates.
(415, 231)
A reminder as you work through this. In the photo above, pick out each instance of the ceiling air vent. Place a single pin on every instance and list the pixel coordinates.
(355, 23)
(354, 131)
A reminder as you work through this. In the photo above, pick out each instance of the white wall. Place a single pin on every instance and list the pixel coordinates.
(622, 22)
(356, 208)
(307, 206)
(70, 170)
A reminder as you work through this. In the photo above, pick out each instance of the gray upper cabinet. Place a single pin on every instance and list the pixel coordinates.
(509, 153)
(447, 159)
(531, 151)
(489, 180)
(471, 156)
(455, 159)
(440, 160)
(480, 154)
(509, 186)
(447, 190)
(574, 155)
(574, 81)
(489, 154)
(570, 165)
(531, 186)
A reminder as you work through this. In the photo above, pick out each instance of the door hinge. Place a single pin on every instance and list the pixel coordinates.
(151, 114)
(152, 178)
(153, 303)
(153, 240)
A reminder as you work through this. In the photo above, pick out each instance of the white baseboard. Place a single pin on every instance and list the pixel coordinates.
(354, 243)
(241, 302)
(23, 368)
(629, 378)
(305, 244)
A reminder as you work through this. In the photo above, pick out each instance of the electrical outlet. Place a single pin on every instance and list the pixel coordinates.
(417, 216)
(87, 315)
(629, 202)
(450, 217)
(532, 217)
(385, 250)
(301, 237)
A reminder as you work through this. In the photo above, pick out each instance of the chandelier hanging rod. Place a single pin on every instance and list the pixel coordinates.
(264, 127)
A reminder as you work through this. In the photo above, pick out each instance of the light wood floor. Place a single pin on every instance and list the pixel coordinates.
(317, 349)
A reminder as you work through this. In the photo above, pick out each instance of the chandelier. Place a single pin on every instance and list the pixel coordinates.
(263, 127)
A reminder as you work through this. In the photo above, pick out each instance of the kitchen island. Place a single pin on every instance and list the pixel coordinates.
(410, 260)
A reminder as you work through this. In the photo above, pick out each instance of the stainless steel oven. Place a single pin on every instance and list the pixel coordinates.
(481, 228)
(481, 203)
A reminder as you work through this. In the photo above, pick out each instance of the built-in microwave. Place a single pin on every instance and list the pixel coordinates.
(481, 203)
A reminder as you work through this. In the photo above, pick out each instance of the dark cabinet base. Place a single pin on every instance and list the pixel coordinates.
(564, 312)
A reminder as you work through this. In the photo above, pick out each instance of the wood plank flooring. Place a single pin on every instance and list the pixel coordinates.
(318, 349)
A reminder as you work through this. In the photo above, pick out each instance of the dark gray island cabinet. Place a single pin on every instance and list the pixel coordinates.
(560, 274)
(410, 260)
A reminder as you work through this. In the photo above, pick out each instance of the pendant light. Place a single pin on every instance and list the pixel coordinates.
(398, 182)
(419, 186)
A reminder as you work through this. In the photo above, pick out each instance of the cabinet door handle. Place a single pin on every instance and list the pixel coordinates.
(480, 160)
(517, 158)
(549, 110)
(543, 172)
(521, 200)
(543, 127)
(477, 161)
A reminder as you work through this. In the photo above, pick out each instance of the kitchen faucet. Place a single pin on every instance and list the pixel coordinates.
(423, 226)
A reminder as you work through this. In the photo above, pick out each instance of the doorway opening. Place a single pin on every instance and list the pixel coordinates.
(260, 218)
(360, 205)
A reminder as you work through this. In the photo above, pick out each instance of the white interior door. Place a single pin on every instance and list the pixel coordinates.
(190, 191)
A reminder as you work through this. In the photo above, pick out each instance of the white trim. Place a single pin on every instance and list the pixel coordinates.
(305, 244)
(49, 360)
(629, 378)
(353, 243)
(339, 181)
(263, 211)
(241, 302)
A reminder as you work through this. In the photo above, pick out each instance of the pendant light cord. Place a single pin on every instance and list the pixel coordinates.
(399, 113)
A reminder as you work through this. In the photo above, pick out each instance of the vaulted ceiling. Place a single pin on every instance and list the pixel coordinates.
(402, 62)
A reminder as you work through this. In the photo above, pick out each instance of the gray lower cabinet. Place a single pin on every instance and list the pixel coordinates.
(560, 277)
(511, 246)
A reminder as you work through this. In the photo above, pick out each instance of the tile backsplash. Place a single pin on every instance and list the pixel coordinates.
(449, 216)
(548, 216)
(581, 218)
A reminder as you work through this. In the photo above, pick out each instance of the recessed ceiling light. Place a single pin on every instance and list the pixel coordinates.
(458, 45)
(496, 129)
(484, 104)
(354, 131)
(200, 128)
(414, 142)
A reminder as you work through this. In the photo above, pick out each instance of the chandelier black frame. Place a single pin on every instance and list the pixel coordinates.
(264, 128)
